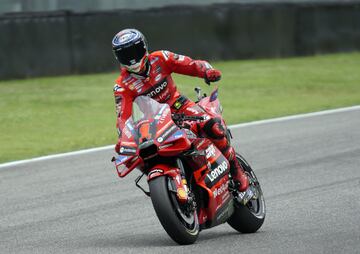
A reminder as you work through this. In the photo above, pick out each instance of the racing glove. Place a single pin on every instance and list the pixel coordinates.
(212, 75)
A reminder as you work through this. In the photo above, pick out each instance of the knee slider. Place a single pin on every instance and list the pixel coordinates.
(214, 129)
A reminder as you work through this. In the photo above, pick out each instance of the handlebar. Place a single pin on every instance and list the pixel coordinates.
(183, 117)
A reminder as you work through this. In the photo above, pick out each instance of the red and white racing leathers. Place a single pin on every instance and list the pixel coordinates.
(159, 85)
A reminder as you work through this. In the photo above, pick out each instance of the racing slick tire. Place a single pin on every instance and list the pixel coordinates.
(182, 227)
(250, 217)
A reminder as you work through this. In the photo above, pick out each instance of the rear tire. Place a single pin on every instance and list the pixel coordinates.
(248, 218)
(181, 227)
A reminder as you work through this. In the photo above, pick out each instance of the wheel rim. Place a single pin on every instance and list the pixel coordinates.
(257, 206)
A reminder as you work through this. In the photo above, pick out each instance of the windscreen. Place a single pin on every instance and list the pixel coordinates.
(148, 116)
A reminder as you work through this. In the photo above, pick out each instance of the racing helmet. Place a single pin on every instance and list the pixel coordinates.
(131, 49)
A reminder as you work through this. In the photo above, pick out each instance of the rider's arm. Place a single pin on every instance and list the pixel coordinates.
(185, 65)
(123, 102)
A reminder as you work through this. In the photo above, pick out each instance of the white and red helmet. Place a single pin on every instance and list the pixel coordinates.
(131, 49)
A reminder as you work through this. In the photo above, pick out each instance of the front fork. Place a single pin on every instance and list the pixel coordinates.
(177, 175)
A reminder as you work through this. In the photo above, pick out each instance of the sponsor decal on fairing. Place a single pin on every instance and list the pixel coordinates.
(210, 151)
(221, 189)
(178, 134)
(127, 150)
(217, 172)
(167, 133)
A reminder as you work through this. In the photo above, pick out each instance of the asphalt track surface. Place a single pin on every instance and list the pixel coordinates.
(309, 169)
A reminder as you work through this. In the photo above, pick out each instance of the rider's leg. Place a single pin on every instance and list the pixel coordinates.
(215, 131)
(217, 134)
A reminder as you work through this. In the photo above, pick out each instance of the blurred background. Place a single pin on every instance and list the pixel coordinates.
(277, 57)
(74, 36)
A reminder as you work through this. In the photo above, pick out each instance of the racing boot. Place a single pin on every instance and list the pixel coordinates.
(236, 171)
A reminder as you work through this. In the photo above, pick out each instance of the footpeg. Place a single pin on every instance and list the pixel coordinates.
(244, 197)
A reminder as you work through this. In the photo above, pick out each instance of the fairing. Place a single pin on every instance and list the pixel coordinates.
(149, 128)
(211, 173)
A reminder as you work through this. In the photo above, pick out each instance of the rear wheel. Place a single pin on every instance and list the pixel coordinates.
(180, 222)
(250, 217)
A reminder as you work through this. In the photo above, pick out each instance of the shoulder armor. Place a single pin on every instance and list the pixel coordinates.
(166, 54)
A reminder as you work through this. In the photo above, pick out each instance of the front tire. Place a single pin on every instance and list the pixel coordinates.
(182, 227)
(250, 217)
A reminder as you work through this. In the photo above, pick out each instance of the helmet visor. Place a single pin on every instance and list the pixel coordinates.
(131, 55)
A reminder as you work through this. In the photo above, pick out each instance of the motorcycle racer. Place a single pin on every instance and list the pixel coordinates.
(144, 73)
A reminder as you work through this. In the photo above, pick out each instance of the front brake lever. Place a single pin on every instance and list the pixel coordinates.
(198, 93)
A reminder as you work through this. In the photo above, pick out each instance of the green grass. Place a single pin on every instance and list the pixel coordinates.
(50, 115)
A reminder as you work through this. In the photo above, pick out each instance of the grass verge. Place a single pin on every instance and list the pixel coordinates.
(51, 115)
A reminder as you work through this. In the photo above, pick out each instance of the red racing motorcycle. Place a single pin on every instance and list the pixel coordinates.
(189, 180)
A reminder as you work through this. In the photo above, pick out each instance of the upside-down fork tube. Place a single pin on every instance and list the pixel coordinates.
(174, 173)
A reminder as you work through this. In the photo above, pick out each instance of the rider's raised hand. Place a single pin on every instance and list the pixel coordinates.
(212, 75)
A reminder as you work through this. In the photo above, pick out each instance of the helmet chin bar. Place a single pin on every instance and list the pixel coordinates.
(134, 67)
(137, 67)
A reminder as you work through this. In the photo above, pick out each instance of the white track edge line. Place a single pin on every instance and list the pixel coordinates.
(297, 116)
(266, 121)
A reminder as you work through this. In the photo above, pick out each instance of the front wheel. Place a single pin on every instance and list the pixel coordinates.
(250, 217)
(180, 224)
